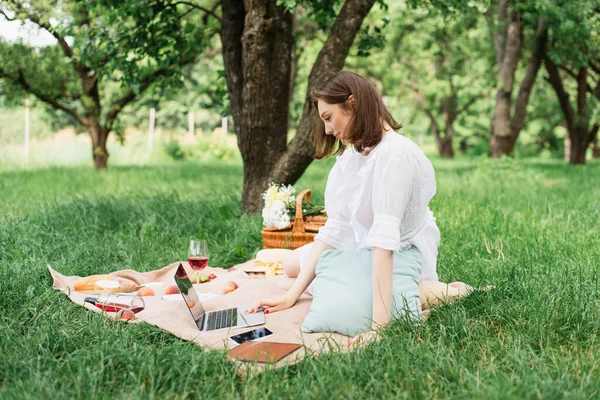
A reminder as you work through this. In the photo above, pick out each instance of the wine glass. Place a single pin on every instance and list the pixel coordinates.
(198, 256)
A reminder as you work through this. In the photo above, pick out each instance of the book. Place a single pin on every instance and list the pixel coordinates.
(262, 352)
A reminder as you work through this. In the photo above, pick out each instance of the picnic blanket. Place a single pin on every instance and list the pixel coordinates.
(174, 317)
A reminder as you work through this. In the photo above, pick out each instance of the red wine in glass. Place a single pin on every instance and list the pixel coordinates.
(198, 255)
(198, 263)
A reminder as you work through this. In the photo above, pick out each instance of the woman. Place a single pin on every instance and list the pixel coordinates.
(377, 197)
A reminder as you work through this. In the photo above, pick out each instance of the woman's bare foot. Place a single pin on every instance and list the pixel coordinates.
(462, 288)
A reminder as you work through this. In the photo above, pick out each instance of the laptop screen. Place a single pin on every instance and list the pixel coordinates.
(189, 295)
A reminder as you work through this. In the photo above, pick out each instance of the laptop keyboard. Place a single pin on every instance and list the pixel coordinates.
(221, 319)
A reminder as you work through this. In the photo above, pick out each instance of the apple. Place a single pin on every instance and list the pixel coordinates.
(230, 287)
(212, 276)
(125, 314)
(172, 289)
(145, 291)
(199, 277)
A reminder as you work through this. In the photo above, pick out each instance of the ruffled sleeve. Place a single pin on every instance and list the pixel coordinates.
(392, 189)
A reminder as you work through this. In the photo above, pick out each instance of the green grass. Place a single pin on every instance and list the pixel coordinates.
(530, 228)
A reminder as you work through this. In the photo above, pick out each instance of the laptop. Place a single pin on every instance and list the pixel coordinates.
(230, 318)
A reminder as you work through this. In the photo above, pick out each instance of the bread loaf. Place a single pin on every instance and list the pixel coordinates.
(272, 255)
(96, 283)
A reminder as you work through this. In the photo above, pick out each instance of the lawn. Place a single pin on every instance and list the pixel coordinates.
(531, 228)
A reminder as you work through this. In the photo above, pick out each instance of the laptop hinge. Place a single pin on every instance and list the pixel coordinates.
(200, 322)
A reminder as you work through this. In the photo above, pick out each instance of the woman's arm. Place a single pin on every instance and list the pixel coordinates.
(306, 276)
(383, 270)
(382, 286)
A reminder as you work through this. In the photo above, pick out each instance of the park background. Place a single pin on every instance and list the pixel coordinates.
(502, 96)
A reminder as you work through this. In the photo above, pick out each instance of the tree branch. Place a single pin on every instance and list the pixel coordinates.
(471, 101)
(498, 33)
(6, 17)
(568, 71)
(197, 7)
(595, 67)
(212, 10)
(130, 95)
(535, 62)
(20, 80)
(46, 26)
(574, 76)
(582, 88)
(563, 97)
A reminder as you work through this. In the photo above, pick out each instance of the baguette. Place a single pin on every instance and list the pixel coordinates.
(97, 282)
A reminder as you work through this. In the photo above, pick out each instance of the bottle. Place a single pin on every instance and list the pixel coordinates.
(116, 302)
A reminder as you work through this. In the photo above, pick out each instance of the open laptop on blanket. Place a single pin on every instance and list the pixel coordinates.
(230, 318)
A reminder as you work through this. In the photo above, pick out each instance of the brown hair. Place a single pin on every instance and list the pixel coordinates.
(369, 113)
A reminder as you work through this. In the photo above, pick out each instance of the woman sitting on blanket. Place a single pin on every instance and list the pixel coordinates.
(376, 197)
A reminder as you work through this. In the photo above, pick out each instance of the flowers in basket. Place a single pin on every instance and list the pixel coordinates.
(280, 206)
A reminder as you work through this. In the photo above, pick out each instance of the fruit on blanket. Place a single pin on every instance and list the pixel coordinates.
(145, 291)
(125, 314)
(212, 276)
(230, 287)
(199, 277)
(191, 303)
(172, 289)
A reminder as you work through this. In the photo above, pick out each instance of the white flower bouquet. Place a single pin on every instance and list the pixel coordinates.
(280, 207)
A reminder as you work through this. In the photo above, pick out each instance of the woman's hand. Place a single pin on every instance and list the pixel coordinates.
(277, 303)
(364, 338)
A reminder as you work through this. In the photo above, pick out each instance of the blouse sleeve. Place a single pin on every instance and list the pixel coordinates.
(392, 191)
(337, 231)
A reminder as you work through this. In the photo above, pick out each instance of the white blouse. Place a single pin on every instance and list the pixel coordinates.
(381, 200)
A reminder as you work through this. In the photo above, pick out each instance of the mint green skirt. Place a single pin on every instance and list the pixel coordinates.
(342, 291)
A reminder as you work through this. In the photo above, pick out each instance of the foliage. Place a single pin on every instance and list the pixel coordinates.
(137, 37)
(430, 46)
(173, 149)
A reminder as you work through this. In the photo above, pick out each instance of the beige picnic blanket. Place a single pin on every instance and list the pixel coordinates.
(174, 317)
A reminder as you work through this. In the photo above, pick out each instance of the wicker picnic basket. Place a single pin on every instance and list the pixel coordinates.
(300, 232)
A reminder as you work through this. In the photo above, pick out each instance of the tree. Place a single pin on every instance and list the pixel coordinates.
(257, 51)
(574, 52)
(507, 23)
(72, 76)
(456, 78)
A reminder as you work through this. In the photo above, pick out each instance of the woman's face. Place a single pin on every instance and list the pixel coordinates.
(335, 118)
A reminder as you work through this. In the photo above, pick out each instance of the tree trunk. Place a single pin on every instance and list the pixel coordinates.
(266, 54)
(594, 141)
(445, 146)
(462, 146)
(99, 136)
(292, 164)
(577, 124)
(537, 57)
(449, 114)
(232, 28)
(501, 125)
(507, 46)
